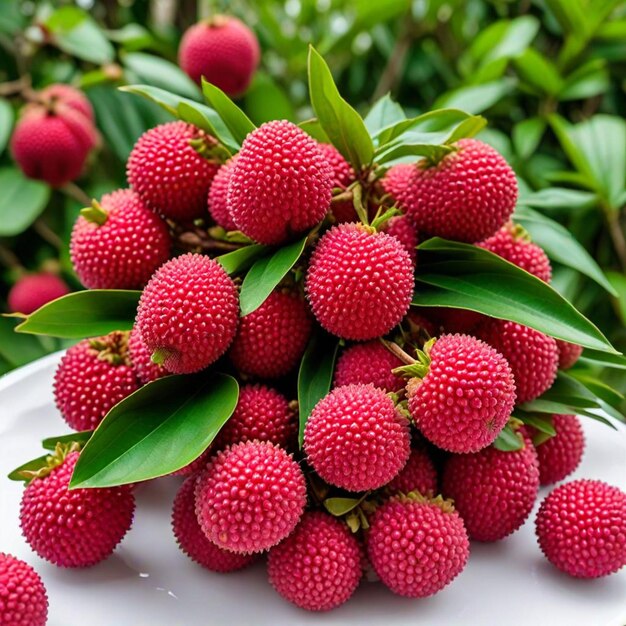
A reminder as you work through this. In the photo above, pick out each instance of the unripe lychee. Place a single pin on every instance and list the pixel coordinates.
(404, 231)
(217, 199)
(493, 491)
(342, 176)
(188, 313)
(281, 185)
(419, 474)
(466, 395)
(365, 363)
(193, 542)
(223, 50)
(318, 567)
(513, 244)
(581, 528)
(141, 359)
(417, 546)
(250, 497)
(169, 174)
(92, 377)
(69, 95)
(118, 243)
(356, 439)
(271, 340)
(569, 353)
(533, 356)
(78, 527)
(359, 282)
(34, 290)
(23, 598)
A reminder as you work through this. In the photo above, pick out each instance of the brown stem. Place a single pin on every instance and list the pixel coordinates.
(75, 192)
(395, 64)
(12, 87)
(46, 233)
(9, 259)
(394, 348)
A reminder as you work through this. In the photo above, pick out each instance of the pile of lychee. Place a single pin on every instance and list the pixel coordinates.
(398, 470)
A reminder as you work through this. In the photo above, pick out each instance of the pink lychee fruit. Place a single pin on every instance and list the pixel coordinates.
(32, 291)
(569, 353)
(23, 597)
(419, 474)
(71, 96)
(216, 201)
(397, 182)
(141, 359)
(404, 231)
(342, 176)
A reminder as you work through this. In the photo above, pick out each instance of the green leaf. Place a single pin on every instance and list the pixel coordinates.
(81, 437)
(157, 430)
(16, 349)
(265, 100)
(84, 314)
(6, 123)
(508, 440)
(384, 113)
(314, 129)
(602, 392)
(558, 197)
(588, 80)
(265, 275)
(527, 136)
(30, 466)
(340, 121)
(595, 357)
(542, 424)
(537, 72)
(618, 281)
(21, 202)
(475, 98)
(341, 506)
(240, 260)
(453, 274)
(315, 376)
(237, 122)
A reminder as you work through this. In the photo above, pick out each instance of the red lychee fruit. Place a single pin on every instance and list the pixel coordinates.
(223, 50)
(417, 546)
(141, 359)
(193, 542)
(467, 196)
(250, 497)
(404, 231)
(32, 291)
(368, 363)
(342, 176)
(92, 377)
(281, 184)
(356, 439)
(464, 395)
(261, 413)
(581, 528)
(23, 598)
(359, 282)
(513, 244)
(188, 313)
(118, 243)
(419, 474)
(78, 527)
(71, 96)
(493, 491)
(453, 321)
(318, 567)
(560, 455)
(216, 201)
(533, 356)
(196, 465)
(569, 353)
(170, 175)
(397, 182)
(271, 340)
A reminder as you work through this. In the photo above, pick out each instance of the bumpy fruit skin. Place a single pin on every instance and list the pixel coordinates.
(581, 528)
(318, 567)
(281, 184)
(217, 199)
(560, 455)
(342, 176)
(512, 244)
(419, 474)
(141, 359)
(250, 497)
(193, 542)
(189, 312)
(359, 283)
(125, 251)
(76, 528)
(533, 356)
(569, 353)
(467, 396)
(368, 363)
(92, 377)
(169, 175)
(356, 439)
(223, 50)
(23, 598)
(397, 182)
(493, 491)
(415, 547)
(467, 196)
(261, 413)
(34, 290)
(69, 95)
(404, 231)
(271, 340)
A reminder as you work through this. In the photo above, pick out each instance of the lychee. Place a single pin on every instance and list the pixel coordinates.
(77, 527)
(281, 184)
(141, 359)
(168, 172)
(417, 546)
(359, 282)
(419, 474)
(318, 567)
(397, 182)
(250, 497)
(581, 528)
(32, 291)
(404, 231)
(356, 439)
(463, 393)
(342, 176)
(118, 243)
(569, 353)
(196, 465)
(92, 377)
(188, 313)
(221, 49)
(452, 320)
(271, 340)
(23, 598)
(216, 201)
(71, 96)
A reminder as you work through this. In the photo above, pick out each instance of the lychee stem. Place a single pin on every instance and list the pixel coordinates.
(394, 348)
(357, 202)
(95, 213)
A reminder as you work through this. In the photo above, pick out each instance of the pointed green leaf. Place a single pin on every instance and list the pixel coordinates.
(314, 129)
(6, 123)
(341, 506)
(508, 440)
(542, 424)
(595, 357)
(22, 201)
(240, 260)
(30, 466)
(82, 437)
(384, 113)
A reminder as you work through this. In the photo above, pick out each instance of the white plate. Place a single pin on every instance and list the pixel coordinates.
(149, 582)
